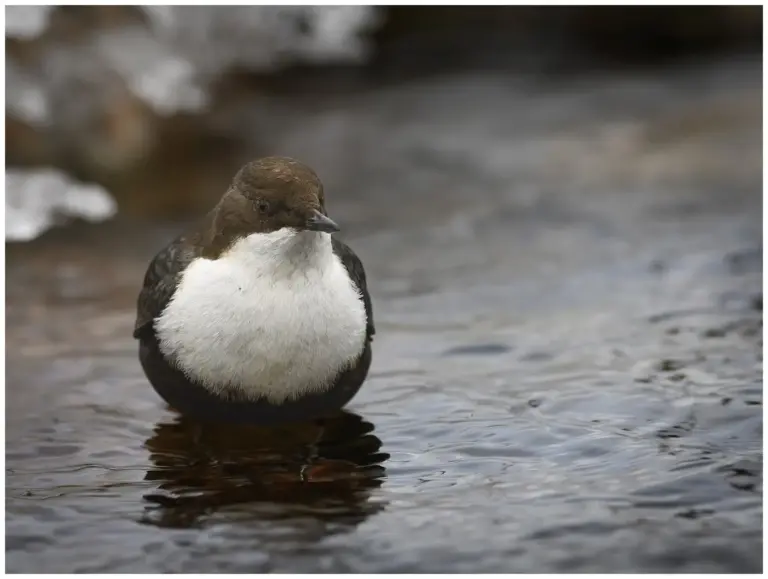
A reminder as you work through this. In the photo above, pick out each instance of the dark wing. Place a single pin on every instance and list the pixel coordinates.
(160, 282)
(357, 273)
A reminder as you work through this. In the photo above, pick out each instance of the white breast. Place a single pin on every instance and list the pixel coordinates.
(276, 316)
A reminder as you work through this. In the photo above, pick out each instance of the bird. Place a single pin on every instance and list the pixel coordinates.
(257, 314)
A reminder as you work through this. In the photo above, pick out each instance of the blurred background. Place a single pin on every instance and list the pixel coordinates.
(152, 107)
(559, 209)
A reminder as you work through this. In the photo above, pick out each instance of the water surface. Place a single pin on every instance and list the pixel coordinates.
(567, 372)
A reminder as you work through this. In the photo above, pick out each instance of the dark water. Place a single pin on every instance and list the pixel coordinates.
(567, 373)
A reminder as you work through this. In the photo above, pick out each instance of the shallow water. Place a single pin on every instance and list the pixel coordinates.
(567, 372)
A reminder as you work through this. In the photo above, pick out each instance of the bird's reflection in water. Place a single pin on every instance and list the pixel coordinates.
(322, 471)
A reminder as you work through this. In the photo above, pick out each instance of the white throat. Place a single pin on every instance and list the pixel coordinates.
(275, 316)
(284, 252)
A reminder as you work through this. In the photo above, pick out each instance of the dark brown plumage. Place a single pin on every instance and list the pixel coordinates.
(265, 196)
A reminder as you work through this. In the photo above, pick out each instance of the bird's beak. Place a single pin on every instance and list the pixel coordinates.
(319, 222)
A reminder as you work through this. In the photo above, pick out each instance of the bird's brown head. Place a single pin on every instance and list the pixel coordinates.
(267, 195)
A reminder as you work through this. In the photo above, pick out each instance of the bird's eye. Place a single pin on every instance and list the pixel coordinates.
(263, 206)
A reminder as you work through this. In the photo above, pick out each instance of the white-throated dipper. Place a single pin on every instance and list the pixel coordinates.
(258, 315)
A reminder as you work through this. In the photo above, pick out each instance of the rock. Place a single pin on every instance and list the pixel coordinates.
(37, 199)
